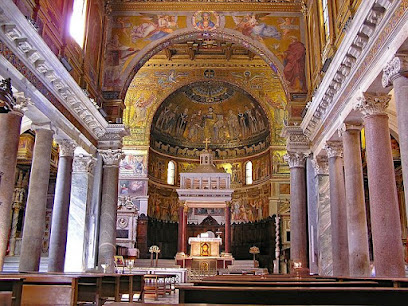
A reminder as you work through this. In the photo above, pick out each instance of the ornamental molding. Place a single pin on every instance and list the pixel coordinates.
(296, 140)
(66, 147)
(296, 159)
(83, 164)
(111, 158)
(371, 104)
(23, 39)
(397, 67)
(362, 29)
(334, 149)
(321, 165)
(113, 136)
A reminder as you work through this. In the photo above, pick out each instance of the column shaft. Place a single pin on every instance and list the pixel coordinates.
(180, 229)
(10, 132)
(107, 235)
(359, 260)
(338, 217)
(184, 232)
(36, 202)
(228, 229)
(59, 225)
(298, 226)
(385, 221)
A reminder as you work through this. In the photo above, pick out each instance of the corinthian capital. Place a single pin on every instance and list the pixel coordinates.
(112, 157)
(66, 147)
(334, 149)
(22, 103)
(373, 104)
(83, 163)
(321, 165)
(295, 159)
(394, 69)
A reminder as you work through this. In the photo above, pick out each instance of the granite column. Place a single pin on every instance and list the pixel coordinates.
(107, 234)
(37, 200)
(334, 151)
(298, 209)
(10, 124)
(359, 260)
(180, 229)
(59, 225)
(385, 220)
(396, 74)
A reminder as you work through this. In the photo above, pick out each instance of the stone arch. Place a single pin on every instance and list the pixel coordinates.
(222, 34)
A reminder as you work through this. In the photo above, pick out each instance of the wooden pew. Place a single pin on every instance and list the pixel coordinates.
(293, 295)
(287, 284)
(6, 298)
(13, 285)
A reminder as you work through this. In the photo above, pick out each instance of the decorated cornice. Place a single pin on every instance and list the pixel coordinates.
(111, 158)
(321, 165)
(373, 104)
(397, 67)
(113, 136)
(362, 29)
(23, 39)
(83, 164)
(296, 159)
(66, 147)
(193, 5)
(296, 140)
(334, 149)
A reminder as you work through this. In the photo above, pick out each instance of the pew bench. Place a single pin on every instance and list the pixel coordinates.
(13, 285)
(293, 295)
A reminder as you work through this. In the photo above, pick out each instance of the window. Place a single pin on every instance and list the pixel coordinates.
(171, 169)
(78, 20)
(325, 10)
(248, 173)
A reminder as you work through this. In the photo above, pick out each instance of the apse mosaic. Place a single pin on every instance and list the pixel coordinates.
(216, 111)
(279, 33)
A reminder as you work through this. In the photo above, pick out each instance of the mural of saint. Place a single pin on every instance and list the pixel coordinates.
(294, 65)
(205, 21)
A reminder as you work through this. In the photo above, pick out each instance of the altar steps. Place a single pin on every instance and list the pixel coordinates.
(11, 264)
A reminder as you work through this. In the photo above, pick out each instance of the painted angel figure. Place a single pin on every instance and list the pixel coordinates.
(249, 25)
(155, 27)
(286, 25)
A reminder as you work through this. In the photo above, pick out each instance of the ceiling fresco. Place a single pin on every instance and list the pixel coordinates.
(131, 33)
(217, 111)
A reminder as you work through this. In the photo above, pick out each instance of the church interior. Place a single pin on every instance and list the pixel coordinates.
(220, 151)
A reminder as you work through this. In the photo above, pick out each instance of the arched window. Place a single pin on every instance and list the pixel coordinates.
(78, 20)
(171, 172)
(325, 10)
(248, 173)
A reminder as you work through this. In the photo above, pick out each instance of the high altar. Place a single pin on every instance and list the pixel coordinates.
(206, 187)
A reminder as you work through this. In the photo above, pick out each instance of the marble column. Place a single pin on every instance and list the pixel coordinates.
(396, 74)
(59, 223)
(321, 167)
(34, 221)
(81, 195)
(385, 220)
(228, 229)
(10, 124)
(298, 208)
(338, 210)
(184, 230)
(92, 218)
(107, 234)
(312, 209)
(359, 259)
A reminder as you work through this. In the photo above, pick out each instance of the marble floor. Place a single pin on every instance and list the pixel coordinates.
(168, 299)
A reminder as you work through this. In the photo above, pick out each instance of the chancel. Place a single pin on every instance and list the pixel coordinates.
(255, 148)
